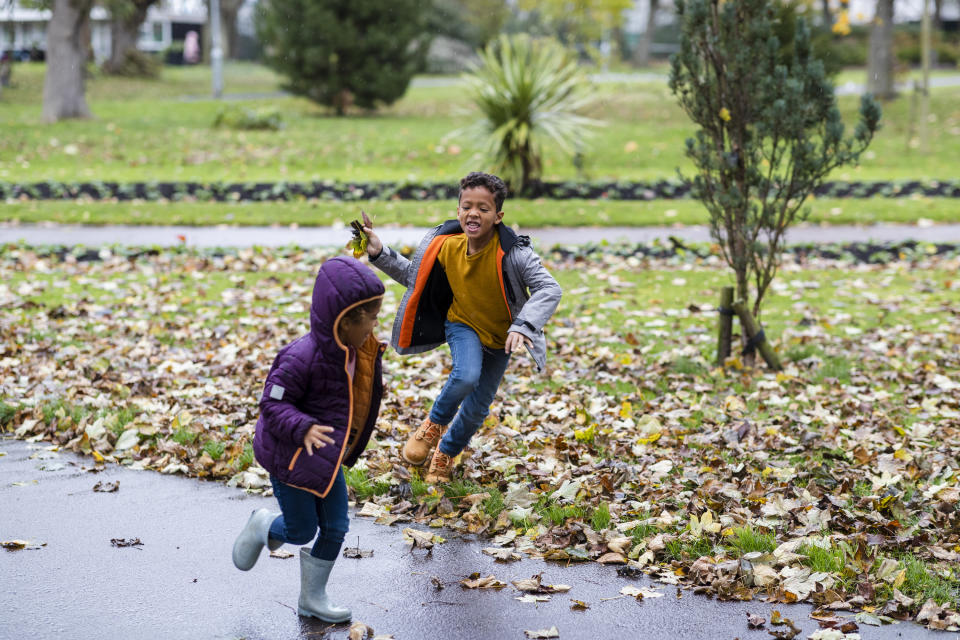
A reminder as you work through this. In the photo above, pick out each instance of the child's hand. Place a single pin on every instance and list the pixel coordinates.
(374, 245)
(515, 340)
(317, 437)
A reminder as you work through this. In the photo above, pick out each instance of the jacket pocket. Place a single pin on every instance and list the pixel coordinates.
(293, 460)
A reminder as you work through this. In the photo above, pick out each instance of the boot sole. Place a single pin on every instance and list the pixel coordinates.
(409, 461)
(311, 614)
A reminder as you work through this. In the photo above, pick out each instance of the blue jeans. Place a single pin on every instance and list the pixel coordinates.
(477, 372)
(304, 513)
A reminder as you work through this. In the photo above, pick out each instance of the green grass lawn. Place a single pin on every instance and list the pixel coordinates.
(525, 213)
(146, 130)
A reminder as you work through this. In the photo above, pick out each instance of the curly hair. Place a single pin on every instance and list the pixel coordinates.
(488, 181)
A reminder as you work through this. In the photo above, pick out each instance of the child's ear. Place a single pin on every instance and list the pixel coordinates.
(499, 216)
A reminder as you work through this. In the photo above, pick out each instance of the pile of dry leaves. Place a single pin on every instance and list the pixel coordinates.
(836, 488)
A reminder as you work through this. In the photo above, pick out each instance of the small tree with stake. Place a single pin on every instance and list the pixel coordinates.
(768, 134)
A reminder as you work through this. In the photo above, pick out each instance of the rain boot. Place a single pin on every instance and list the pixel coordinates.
(256, 534)
(314, 573)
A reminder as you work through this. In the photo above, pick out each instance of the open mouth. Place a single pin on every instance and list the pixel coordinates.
(471, 226)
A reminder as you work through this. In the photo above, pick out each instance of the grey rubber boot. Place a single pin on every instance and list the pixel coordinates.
(256, 534)
(314, 602)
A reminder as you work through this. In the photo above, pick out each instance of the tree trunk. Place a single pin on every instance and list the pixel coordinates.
(228, 27)
(64, 88)
(750, 327)
(724, 325)
(229, 36)
(124, 33)
(641, 56)
(827, 14)
(937, 15)
(880, 64)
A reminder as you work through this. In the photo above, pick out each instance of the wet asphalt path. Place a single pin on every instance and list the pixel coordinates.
(231, 236)
(181, 583)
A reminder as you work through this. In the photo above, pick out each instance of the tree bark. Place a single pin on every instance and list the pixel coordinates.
(724, 325)
(125, 31)
(755, 332)
(641, 56)
(880, 64)
(229, 36)
(228, 27)
(64, 88)
(827, 14)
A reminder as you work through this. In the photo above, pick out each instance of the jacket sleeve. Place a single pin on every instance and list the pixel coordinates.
(286, 386)
(545, 295)
(395, 265)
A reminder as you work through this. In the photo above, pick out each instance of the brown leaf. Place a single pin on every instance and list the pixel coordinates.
(490, 582)
(360, 631)
(126, 542)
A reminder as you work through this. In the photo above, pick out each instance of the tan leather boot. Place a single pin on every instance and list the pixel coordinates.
(441, 468)
(422, 442)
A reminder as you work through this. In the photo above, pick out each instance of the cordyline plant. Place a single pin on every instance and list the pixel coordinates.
(769, 132)
(527, 91)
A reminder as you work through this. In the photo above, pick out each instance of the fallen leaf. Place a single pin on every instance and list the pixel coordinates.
(532, 598)
(17, 545)
(552, 632)
(755, 621)
(490, 582)
(126, 542)
(356, 553)
(282, 554)
(360, 631)
(106, 487)
(501, 554)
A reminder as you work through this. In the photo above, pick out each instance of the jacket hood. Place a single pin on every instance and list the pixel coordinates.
(342, 283)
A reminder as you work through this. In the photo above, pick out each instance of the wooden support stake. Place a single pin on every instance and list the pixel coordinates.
(725, 325)
(753, 330)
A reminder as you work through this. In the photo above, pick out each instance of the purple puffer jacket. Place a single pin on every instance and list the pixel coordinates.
(309, 384)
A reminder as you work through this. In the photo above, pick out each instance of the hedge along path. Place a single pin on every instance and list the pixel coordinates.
(354, 191)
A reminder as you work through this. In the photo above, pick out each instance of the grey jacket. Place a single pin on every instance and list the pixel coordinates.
(531, 293)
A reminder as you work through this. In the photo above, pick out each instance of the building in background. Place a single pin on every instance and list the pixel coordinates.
(23, 30)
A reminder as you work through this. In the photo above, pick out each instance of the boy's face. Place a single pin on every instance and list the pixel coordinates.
(477, 213)
(354, 331)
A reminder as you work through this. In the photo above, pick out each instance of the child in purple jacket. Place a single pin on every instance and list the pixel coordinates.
(317, 412)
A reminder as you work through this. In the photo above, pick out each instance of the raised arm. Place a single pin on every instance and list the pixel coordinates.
(386, 259)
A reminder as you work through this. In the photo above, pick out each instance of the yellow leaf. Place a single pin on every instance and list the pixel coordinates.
(732, 404)
(649, 440)
(725, 114)
(902, 454)
(97, 456)
(899, 579)
(626, 409)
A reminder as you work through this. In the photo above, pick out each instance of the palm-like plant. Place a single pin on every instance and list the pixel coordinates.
(528, 91)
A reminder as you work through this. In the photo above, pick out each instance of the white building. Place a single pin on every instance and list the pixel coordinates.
(24, 29)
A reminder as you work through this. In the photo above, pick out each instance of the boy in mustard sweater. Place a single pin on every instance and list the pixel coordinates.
(479, 287)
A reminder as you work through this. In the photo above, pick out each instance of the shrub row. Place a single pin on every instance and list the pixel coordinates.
(694, 252)
(273, 191)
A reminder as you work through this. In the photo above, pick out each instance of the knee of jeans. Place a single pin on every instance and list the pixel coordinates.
(300, 535)
(336, 532)
(465, 378)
